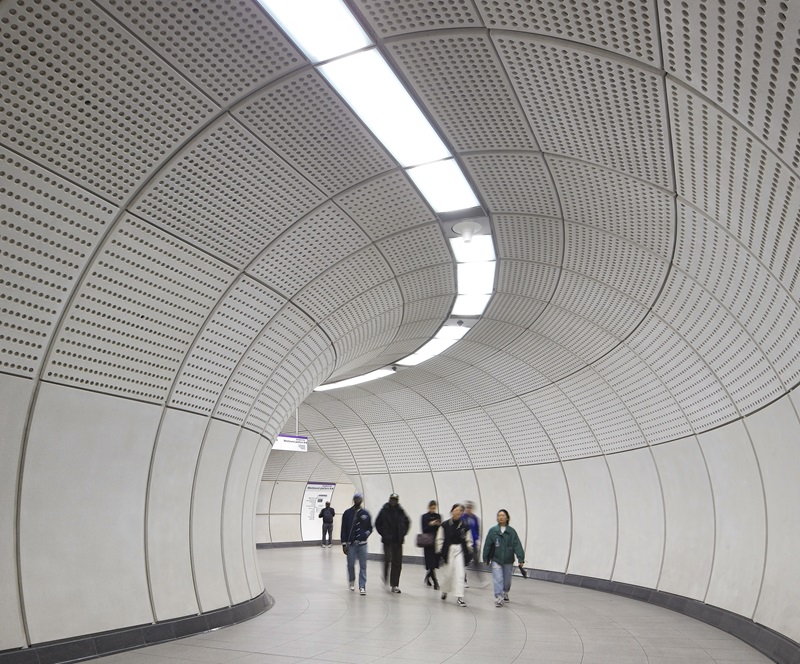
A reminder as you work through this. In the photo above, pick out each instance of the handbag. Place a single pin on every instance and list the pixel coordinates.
(425, 539)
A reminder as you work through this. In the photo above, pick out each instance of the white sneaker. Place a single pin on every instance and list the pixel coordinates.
(498, 602)
(352, 585)
(460, 601)
(363, 591)
(505, 597)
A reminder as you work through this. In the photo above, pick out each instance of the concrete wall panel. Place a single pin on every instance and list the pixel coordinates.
(549, 516)
(15, 394)
(82, 514)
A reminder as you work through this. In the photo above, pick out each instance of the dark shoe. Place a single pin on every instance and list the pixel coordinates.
(435, 584)
(505, 597)
(460, 601)
(444, 595)
(428, 579)
(396, 590)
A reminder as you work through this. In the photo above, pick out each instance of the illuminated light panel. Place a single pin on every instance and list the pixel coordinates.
(451, 332)
(478, 250)
(426, 352)
(372, 375)
(470, 305)
(322, 29)
(444, 186)
(476, 278)
(372, 90)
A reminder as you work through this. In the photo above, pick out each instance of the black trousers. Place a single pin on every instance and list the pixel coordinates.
(392, 562)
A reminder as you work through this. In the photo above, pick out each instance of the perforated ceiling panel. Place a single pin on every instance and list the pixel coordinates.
(612, 424)
(583, 338)
(565, 426)
(514, 182)
(615, 203)
(307, 249)
(532, 281)
(591, 106)
(385, 205)
(389, 17)
(428, 282)
(143, 301)
(529, 238)
(103, 111)
(228, 193)
(462, 82)
(479, 385)
(482, 440)
(408, 404)
(442, 446)
(514, 309)
(234, 47)
(365, 450)
(335, 448)
(49, 229)
(238, 319)
(629, 28)
(400, 447)
(743, 60)
(522, 432)
(303, 120)
(415, 249)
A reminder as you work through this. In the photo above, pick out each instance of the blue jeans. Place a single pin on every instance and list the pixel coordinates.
(357, 550)
(501, 575)
(327, 529)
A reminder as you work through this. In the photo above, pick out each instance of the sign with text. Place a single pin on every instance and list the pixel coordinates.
(289, 443)
(314, 499)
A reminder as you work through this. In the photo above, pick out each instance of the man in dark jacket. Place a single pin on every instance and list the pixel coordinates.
(392, 525)
(327, 514)
(356, 528)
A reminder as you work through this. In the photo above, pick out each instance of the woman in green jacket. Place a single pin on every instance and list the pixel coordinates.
(499, 548)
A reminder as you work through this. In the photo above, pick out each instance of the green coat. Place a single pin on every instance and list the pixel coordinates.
(505, 545)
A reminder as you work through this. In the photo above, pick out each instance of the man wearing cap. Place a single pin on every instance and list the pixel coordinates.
(392, 525)
(356, 528)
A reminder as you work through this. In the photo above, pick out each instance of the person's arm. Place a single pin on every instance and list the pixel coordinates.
(368, 524)
(406, 523)
(379, 523)
(439, 541)
(487, 548)
(518, 550)
(344, 535)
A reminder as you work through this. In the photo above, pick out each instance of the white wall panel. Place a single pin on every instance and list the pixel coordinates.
(640, 510)
(376, 490)
(82, 513)
(15, 394)
(456, 486)
(262, 529)
(775, 432)
(501, 488)
(168, 514)
(594, 518)
(264, 496)
(549, 516)
(689, 516)
(233, 525)
(741, 529)
(209, 487)
(285, 527)
(416, 490)
(287, 498)
(248, 516)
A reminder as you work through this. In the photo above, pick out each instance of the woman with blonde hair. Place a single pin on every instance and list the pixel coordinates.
(454, 547)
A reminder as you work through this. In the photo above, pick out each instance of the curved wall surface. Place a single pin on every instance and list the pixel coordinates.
(197, 231)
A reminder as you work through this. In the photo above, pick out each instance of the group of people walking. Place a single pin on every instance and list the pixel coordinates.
(449, 546)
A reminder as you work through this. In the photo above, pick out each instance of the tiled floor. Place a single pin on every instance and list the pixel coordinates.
(317, 619)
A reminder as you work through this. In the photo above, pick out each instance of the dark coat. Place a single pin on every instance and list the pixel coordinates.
(431, 559)
(356, 525)
(456, 532)
(327, 514)
(392, 524)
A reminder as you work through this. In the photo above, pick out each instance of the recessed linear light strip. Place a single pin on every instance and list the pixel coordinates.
(333, 40)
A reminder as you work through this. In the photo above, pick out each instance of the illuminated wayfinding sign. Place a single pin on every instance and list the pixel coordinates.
(290, 443)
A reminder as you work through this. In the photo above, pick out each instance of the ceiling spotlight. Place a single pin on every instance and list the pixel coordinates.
(466, 229)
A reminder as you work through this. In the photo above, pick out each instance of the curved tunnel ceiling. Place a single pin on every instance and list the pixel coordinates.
(202, 222)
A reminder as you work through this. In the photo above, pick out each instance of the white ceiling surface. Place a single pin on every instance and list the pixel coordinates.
(192, 217)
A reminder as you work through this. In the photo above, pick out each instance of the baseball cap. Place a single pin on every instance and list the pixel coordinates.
(394, 495)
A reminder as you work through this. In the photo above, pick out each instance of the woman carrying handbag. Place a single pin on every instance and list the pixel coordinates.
(431, 521)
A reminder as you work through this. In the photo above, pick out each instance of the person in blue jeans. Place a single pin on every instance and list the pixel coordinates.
(356, 528)
(501, 545)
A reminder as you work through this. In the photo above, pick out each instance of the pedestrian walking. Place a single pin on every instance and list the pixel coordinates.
(356, 528)
(430, 523)
(454, 546)
(392, 525)
(502, 544)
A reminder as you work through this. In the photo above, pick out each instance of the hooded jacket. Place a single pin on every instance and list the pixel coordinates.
(392, 524)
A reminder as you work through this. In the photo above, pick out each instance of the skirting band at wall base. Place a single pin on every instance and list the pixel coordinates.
(129, 638)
